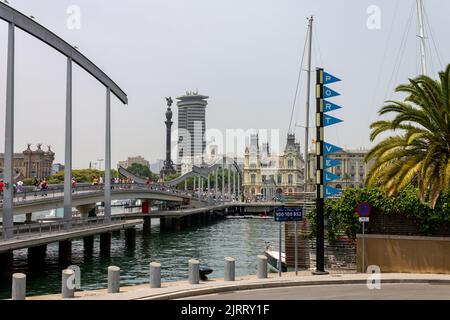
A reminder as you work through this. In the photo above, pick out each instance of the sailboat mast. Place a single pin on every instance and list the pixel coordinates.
(422, 36)
(308, 100)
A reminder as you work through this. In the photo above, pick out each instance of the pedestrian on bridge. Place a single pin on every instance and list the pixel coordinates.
(74, 184)
(44, 187)
(20, 186)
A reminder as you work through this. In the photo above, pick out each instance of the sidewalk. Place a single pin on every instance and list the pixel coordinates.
(182, 289)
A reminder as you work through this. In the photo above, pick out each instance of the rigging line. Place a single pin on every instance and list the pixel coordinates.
(317, 51)
(436, 48)
(298, 81)
(385, 52)
(397, 61)
(399, 66)
(383, 62)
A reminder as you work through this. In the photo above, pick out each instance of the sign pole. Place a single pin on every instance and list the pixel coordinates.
(320, 259)
(296, 248)
(279, 253)
(363, 247)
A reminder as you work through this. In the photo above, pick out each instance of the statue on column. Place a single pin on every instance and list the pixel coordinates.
(168, 163)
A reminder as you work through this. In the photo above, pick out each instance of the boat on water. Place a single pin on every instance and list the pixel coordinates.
(272, 260)
(249, 217)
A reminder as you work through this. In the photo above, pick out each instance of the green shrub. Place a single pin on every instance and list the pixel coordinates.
(341, 215)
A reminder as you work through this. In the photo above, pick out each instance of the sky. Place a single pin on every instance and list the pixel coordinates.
(245, 55)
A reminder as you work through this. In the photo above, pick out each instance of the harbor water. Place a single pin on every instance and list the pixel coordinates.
(242, 239)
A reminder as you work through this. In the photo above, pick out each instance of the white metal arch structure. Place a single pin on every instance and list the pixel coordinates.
(16, 19)
(38, 31)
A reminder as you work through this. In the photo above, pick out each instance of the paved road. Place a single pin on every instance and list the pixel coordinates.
(339, 292)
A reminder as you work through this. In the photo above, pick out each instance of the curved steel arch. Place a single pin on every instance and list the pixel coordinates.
(33, 28)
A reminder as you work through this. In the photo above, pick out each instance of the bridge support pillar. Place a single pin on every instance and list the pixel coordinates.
(130, 237)
(85, 209)
(36, 256)
(105, 244)
(6, 264)
(88, 244)
(176, 224)
(162, 224)
(188, 221)
(65, 251)
(146, 206)
(147, 227)
(28, 217)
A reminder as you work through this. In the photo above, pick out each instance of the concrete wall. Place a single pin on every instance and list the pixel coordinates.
(409, 254)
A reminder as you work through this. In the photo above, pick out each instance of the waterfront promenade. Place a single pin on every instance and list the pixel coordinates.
(305, 284)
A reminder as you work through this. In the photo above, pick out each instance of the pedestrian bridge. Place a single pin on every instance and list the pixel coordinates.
(34, 201)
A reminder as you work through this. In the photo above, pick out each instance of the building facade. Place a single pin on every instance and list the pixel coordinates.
(191, 130)
(138, 159)
(352, 170)
(31, 163)
(266, 174)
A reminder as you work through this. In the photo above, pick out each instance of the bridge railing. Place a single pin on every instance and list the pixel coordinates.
(44, 228)
(34, 194)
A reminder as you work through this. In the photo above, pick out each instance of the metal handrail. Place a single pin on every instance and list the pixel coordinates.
(39, 228)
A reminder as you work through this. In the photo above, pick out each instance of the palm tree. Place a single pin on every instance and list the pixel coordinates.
(420, 153)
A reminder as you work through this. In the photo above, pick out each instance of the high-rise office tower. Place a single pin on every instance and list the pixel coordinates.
(191, 128)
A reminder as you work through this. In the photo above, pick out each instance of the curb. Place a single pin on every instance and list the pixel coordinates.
(253, 286)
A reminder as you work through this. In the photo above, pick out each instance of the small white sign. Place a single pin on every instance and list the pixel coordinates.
(363, 219)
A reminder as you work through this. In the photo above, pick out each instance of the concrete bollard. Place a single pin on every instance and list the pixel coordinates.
(113, 279)
(68, 284)
(229, 269)
(194, 271)
(19, 286)
(155, 275)
(262, 267)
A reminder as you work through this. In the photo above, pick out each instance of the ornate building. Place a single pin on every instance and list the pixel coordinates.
(266, 174)
(138, 159)
(31, 163)
(352, 170)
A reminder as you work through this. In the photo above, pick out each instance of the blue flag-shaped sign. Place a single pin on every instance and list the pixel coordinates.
(329, 120)
(330, 163)
(328, 78)
(330, 191)
(328, 106)
(331, 176)
(329, 148)
(329, 93)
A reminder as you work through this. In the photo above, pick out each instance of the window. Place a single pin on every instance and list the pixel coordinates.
(290, 180)
(290, 163)
(253, 178)
(279, 179)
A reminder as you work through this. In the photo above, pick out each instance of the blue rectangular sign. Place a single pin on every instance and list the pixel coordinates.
(288, 214)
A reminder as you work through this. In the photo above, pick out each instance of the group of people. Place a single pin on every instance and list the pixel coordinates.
(17, 186)
(40, 185)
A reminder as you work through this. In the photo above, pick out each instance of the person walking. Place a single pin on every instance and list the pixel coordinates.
(44, 187)
(20, 186)
(74, 184)
(2, 185)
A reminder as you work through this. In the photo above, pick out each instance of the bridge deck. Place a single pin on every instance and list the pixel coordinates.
(23, 240)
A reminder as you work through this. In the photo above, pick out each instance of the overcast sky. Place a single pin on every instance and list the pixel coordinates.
(244, 55)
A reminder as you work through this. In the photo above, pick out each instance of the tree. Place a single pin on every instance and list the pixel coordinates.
(420, 154)
(142, 171)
